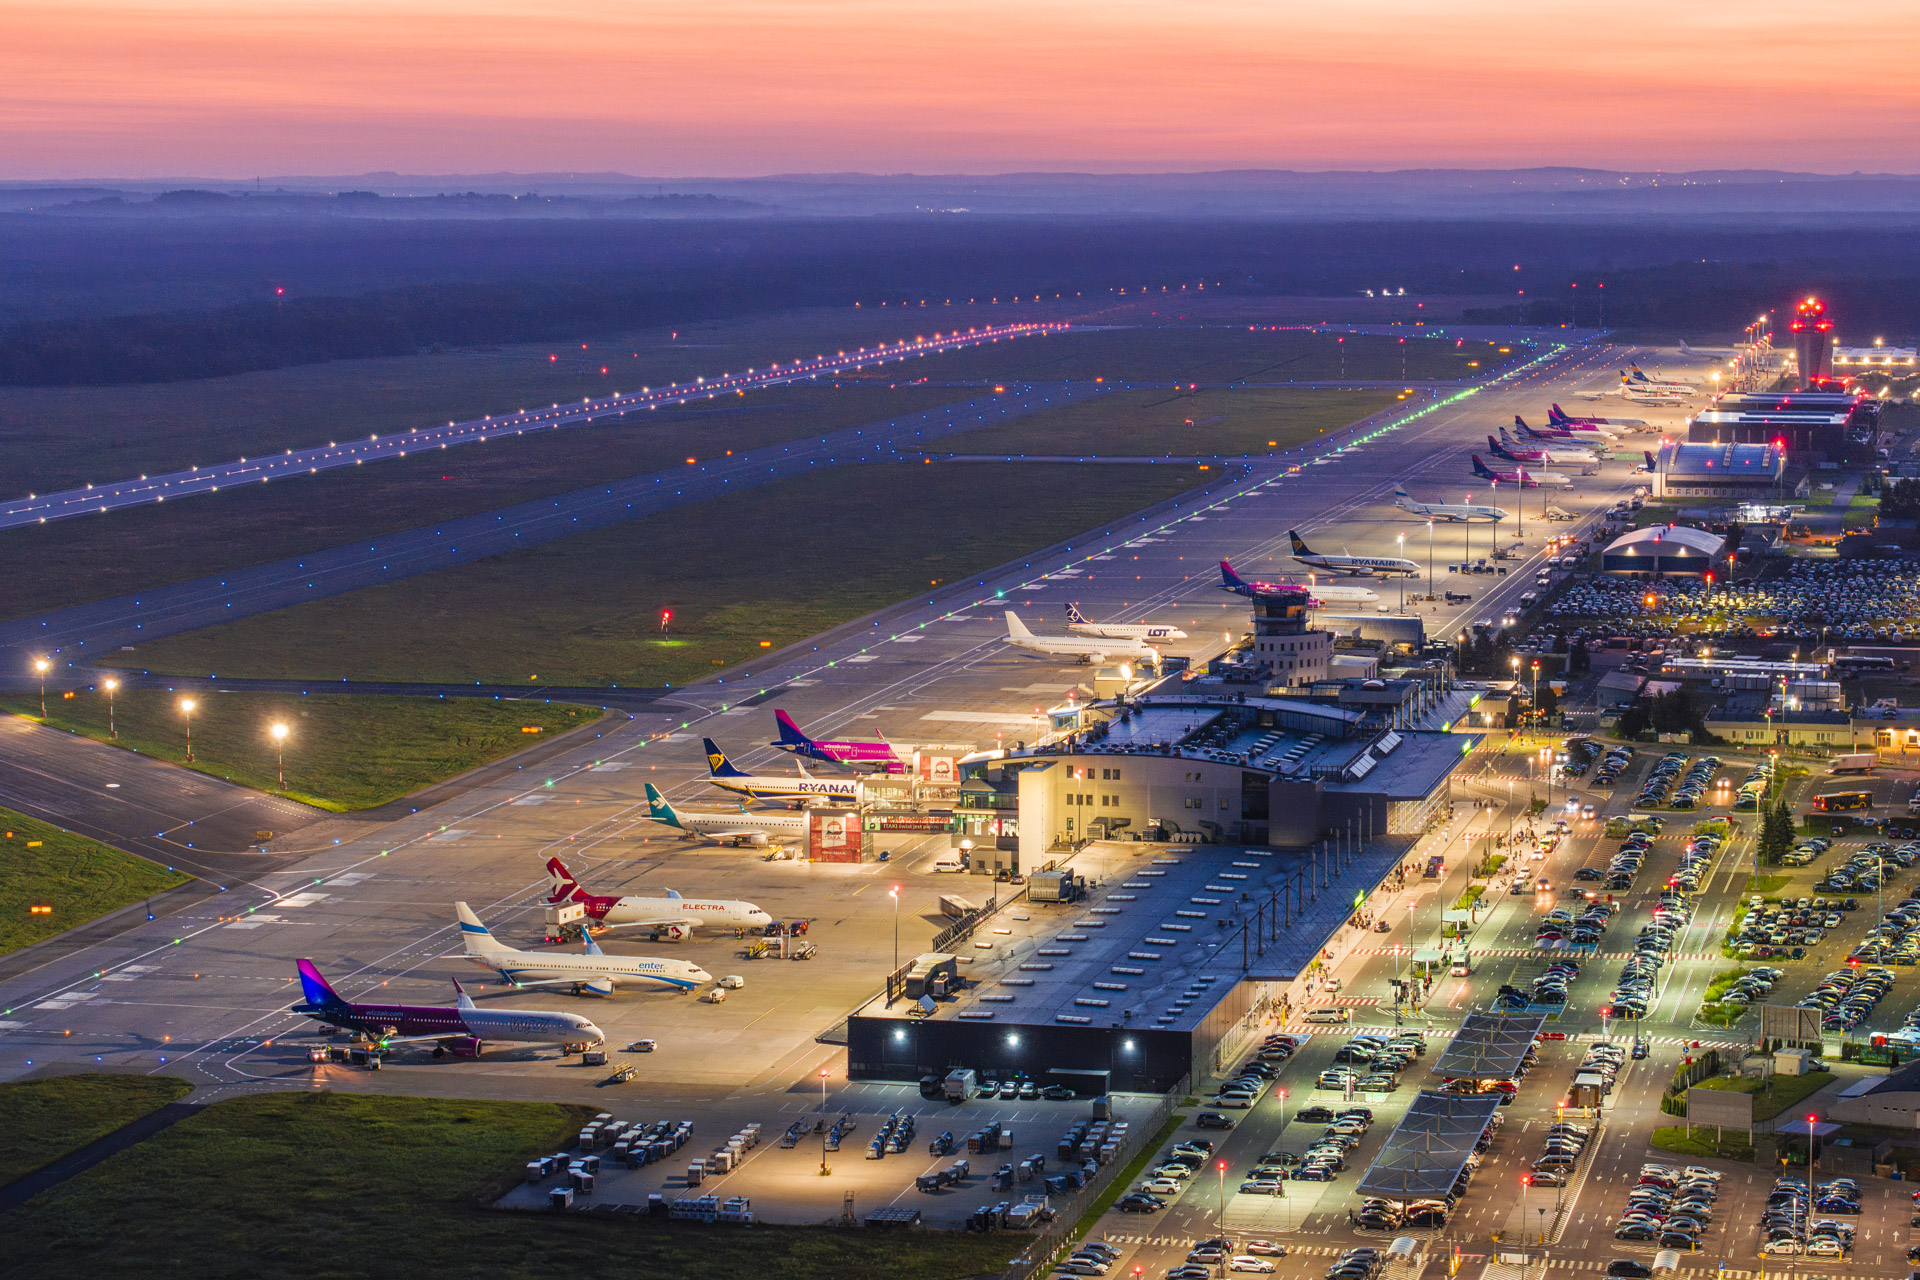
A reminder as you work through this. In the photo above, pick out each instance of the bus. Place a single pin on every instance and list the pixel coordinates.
(1843, 801)
(1854, 664)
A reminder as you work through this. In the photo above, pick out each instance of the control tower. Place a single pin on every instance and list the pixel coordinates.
(1812, 341)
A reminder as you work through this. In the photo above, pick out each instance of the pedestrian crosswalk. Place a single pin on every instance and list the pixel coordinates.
(1542, 953)
(1595, 1265)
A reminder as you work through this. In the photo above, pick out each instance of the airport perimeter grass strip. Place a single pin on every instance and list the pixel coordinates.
(343, 751)
(75, 879)
(349, 1185)
(1124, 1182)
(43, 1120)
(1774, 1094)
(1701, 1146)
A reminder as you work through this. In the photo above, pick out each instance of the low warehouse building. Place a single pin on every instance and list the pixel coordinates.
(1663, 549)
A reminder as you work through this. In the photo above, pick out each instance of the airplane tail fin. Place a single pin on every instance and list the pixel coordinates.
(718, 764)
(1300, 548)
(592, 947)
(1556, 414)
(565, 888)
(460, 997)
(1016, 629)
(1480, 468)
(1229, 579)
(1400, 493)
(316, 988)
(658, 809)
(790, 733)
(1074, 616)
(1648, 455)
(1496, 448)
(480, 941)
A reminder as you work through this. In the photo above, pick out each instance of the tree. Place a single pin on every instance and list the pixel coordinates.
(1579, 661)
(1547, 706)
(1776, 833)
(1634, 721)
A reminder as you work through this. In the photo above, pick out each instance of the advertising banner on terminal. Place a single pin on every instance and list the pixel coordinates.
(834, 835)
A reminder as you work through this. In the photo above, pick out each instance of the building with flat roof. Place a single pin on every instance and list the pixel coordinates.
(1811, 426)
(1896, 360)
(1729, 471)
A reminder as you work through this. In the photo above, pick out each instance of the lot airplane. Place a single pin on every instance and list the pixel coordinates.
(1521, 476)
(671, 918)
(1559, 417)
(1078, 624)
(852, 752)
(776, 786)
(1683, 385)
(1447, 510)
(591, 971)
(1351, 565)
(1515, 451)
(1088, 649)
(736, 827)
(1584, 432)
(461, 1030)
(1317, 593)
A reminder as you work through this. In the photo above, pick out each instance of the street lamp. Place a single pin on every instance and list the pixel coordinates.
(186, 713)
(1221, 1168)
(894, 893)
(1401, 539)
(824, 1169)
(1429, 558)
(279, 732)
(40, 667)
(110, 685)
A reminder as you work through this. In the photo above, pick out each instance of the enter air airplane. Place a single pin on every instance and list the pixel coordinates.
(1446, 510)
(592, 970)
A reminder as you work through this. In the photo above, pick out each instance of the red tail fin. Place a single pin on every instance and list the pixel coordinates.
(565, 888)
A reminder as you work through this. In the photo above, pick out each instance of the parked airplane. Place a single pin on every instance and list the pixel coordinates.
(1521, 476)
(853, 752)
(1078, 624)
(1516, 451)
(671, 918)
(1317, 593)
(1585, 432)
(1561, 418)
(593, 970)
(736, 827)
(1445, 510)
(1686, 350)
(1683, 385)
(1089, 649)
(462, 1030)
(1352, 565)
(776, 786)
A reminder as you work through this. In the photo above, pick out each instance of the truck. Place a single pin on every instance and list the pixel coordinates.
(1854, 762)
(962, 1083)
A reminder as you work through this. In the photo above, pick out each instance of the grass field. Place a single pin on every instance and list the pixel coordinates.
(343, 751)
(96, 557)
(58, 437)
(327, 1185)
(1224, 354)
(43, 1120)
(1211, 422)
(42, 865)
(1127, 1177)
(1773, 1095)
(586, 610)
(1701, 1145)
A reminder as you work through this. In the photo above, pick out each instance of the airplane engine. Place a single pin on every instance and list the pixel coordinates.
(599, 986)
(758, 839)
(463, 1046)
(670, 933)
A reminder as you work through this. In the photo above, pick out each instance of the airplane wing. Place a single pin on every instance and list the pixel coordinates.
(661, 923)
(444, 1035)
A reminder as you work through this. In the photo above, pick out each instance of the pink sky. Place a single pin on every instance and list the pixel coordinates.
(742, 87)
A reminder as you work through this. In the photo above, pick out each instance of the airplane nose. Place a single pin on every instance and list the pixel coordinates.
(701, 975)
(587, 1028)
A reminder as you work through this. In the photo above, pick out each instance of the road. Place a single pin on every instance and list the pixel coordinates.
(93, 499)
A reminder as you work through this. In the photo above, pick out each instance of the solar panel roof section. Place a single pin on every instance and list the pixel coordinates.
(1489, 1046)
(1429, 1147)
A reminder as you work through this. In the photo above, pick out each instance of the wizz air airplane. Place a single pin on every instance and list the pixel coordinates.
(1078, 624)
(738, 827)
(1317, 593)
(1584, 431)
(671, 918)
(1088, 649)
(461, 1030)
(776, 786)
(855, 751)
(1351, 565)
(1521, 476)
(591, 971)
(1446, 510)
(1515, 451)
(1556, 416)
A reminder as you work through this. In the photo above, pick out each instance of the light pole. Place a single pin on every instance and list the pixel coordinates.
(1429, 558)
(40, 666)
(1401, 539)
(894, 893)
(1221, 1168)
(279, 732)
(186, 713)
(824, 1169)
(110, 685)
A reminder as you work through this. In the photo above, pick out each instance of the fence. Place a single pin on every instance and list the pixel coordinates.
(959, 931)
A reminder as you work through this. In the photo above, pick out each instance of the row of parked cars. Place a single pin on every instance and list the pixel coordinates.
(1696, 861)
(1672, 1207)
(1252, 1081)
(1863, 871)
(1561, 926)
(1789, 1225)
(1560, 1149)
(1846, 997)
(1894, 939)
(1666, 775)
(1783, 926)
(1218, 1252)
(1549, 989)
(1623, 866)
(1633, 993)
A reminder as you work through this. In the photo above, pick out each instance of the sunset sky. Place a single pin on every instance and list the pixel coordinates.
(745, 87)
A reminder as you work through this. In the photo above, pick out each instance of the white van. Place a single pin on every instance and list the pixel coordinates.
(950, 860)
(1329, 1013)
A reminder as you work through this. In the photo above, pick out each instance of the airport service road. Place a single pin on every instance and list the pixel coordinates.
(89, 632)
(375, 912)
(93, 499)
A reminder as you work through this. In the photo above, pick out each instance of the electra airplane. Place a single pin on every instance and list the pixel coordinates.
(1088, 649)
(1521, 476)
(1317, 594)
(1078, 624)
(1516, 451)
(671, 918)
(1353, 566)
(592, 971)
(776, 786)
(1558, 417)
(738, 827)
(461, 1030)
(853, 752)
(1446, 511)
